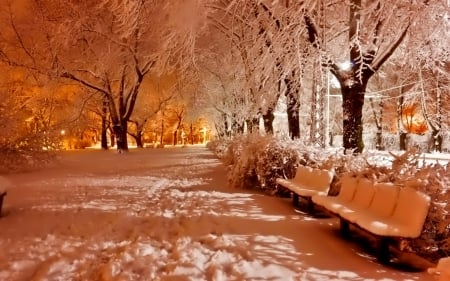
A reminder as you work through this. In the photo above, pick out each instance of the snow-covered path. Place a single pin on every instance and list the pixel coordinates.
(165, 214)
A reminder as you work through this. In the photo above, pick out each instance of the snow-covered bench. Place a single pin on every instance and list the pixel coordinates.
(307, 183)
(2, 194)
(385, 210)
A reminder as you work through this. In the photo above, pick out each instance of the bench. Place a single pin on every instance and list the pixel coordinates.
(385, 210)
(2, 194)
(307, 183)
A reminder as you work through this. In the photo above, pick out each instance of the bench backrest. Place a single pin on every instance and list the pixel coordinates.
(348, 188)
(302, 174)
(411, 210)
(317, 179)
(384, 199)
(364, 193)
(321, 179)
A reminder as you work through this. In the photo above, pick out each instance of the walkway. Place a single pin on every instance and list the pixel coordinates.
(165, 214)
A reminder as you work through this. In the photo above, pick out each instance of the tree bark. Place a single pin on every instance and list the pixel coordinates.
(175, 137)
(268, 121)
(379, 124)
(252, 125)
(138, 139)
(112, 137)
(237, 127)
(401, 132)
(403, 136)
(139, 132)
(104, 136)
(104, 140)
(120, 131)
(352, 105)
(293, 106)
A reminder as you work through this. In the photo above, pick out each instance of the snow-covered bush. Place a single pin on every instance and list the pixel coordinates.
(20, 147)
(23, 155)
(241, 158)
(275, 159)
(219, 147)
(25, 139)
(256, 161)
(435, 239)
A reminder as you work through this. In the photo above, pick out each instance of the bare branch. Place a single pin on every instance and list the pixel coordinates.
(379, 60)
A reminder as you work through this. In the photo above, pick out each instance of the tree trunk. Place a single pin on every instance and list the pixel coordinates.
(379, 139)
(403, 137)
(378, 123)
(252, 125)
(112, 137)
(104, 140)
(139, 142)
(436, 138)
(139, 133)
(175, 137)
(352, 105)
(292, 110)
(162, 130)
(268, 121)
(120, 131)
(237, 127)
(104, 135)
(401, 132)
(293, 122)
(436, 132)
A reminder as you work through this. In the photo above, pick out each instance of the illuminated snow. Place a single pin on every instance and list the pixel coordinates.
(146, 221)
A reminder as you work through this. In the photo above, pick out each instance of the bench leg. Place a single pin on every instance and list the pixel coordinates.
(344, 228)
(383, 254)
(310, 205)
(295, 199)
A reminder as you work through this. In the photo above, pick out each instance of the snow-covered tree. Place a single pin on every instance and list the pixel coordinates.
(374, 30)
(120, 43)
(106, 46)
(353, 39)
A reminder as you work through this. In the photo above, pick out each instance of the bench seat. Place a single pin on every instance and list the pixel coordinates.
(307, 183)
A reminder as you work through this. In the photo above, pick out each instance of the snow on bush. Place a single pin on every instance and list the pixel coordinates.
(21, 143)
(256, 161)
(20, 154)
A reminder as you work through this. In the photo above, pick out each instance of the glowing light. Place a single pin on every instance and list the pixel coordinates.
(413, 120)
(346, 65)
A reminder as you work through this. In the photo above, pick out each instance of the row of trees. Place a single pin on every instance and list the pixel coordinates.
(233, 60)
(289, 49)
(125, 62)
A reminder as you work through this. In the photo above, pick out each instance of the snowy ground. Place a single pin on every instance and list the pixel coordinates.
(165, 214)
